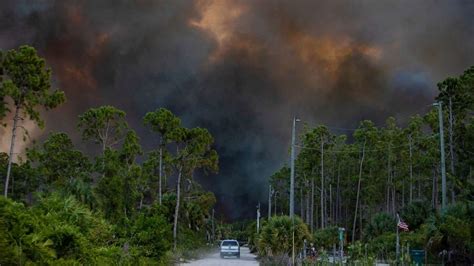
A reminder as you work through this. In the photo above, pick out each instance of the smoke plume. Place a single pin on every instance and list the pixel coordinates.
(243, 69)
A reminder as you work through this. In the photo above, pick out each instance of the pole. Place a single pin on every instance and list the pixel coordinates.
(292, 172)
(443, 165)
(213, 228)
(341, 243)
(269, 201)
(398, 241)
(292, 187)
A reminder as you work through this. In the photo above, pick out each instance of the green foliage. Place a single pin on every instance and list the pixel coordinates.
(165, 123)
(56, 228)
(100, 213)
(451, 231)
(326, 238)
(151, 233)
(59, 164)
(28, 83)
(380, 224)
(104, 125)
(275, 238)
(415, 214)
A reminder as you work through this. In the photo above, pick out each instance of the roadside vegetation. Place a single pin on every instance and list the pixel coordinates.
(121, 204)
(359, 179)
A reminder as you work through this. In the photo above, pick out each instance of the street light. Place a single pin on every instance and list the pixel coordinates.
(443, 165)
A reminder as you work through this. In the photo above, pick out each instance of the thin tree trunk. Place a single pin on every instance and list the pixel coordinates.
(12, 147)
(276, 199)
(411, 167)
(312, 205)
(269, 201)
(322, 184)
(301, 203)
(308, 208)
(358, 191)
(176, 210)
(451, 147)
(160, 175)
(360, 220)
(331, 212)
(419, 189)
(389, 178)
(393, 195)
(338, 194)
(403, 193)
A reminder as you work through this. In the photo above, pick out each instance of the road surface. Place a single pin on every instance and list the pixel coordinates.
(214, 259)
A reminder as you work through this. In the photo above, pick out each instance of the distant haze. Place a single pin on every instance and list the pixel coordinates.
(243, 69)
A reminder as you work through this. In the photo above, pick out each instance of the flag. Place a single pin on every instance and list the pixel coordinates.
(402, 225)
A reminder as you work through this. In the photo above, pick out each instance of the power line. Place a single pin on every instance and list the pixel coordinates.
(371, 150)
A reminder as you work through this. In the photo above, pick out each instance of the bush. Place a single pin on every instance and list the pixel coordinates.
(275, 238)
(59, 230)
(415, 214)
(326, 238)
(152, 233)
(380, 224)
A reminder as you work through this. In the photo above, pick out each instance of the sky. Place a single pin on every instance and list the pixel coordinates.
(242, 69)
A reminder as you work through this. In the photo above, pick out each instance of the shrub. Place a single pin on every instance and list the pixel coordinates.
(326, 238)
(275, 238)
(381, 223)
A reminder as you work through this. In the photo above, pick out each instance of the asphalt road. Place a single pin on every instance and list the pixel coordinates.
(214, 259)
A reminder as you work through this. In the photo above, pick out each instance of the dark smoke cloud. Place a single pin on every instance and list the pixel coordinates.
(244, 68)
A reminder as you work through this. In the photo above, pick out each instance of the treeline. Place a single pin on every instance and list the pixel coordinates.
(121, 205)
(357, 181)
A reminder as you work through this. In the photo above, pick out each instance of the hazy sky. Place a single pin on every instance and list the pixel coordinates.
(243, 69)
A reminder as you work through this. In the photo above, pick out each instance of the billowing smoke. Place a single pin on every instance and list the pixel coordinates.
(244, 68)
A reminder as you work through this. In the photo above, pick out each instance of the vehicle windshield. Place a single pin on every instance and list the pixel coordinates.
(229, 243)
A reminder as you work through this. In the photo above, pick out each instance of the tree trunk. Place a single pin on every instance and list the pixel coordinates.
(269, 201)
(312, 206)
(323, 212)
(12, 147)
(331, 212)
(276, 199)
(419, 189)
(451, 147)
(411, 167)
(301, 203)
(160, 175)
(176, 210)
(338, 194)
(393, 193)
(308, 208)
(360, 220)
(389, 178)
(358, 191)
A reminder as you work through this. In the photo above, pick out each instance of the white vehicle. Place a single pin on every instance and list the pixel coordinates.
(230, 247)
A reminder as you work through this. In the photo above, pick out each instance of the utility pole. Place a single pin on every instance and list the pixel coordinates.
(258, 218)
(292, 172)
(213, 229)
(443, 165)
(292, 187)
(270, 192)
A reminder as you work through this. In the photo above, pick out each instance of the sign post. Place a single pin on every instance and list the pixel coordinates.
(341, 243)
